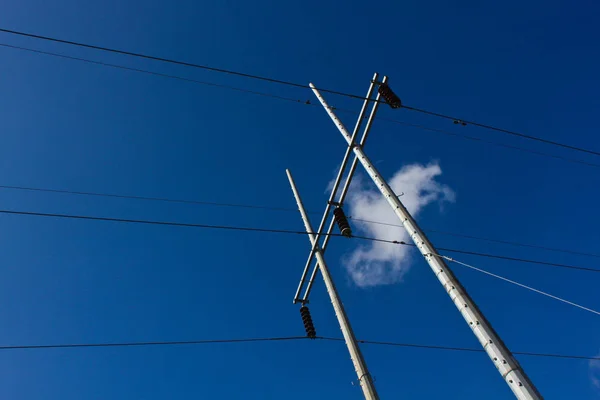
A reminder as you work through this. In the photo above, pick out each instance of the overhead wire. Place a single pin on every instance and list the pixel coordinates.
(290, 83)
(297, 101)
(519, 259)
(274, 339)
(155, 343)
(460, 235)
(461, 349)
(283, 231)
(272, 208)
(518, 284)
(509, 132)
(183, 224)
(154, 73)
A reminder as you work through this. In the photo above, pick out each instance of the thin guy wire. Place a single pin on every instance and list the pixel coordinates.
(284, 231)
(307, 102)
(275, 339)
(518, 284)
(251, 206)
(289, 83)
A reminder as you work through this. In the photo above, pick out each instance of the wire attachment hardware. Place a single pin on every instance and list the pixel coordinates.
(389, 96)
(309, 327)
(342, 222)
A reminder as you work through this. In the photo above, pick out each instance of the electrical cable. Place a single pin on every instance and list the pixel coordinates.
(490, 142)
(509, 132)
(460, 235)
(289, 83)
(518, 284)
(166, 343)
(518, 259)
(183, 224)
(306, 102)
(251, 206)
(146, 198)
(285, 231)
(274, 339)
(463, 349)
(145, 71)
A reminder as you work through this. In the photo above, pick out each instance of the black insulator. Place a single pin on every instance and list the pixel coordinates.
(309, 327)
(342, 221)
(389, 96)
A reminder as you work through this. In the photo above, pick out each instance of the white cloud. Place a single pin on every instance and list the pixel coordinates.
(382, 263)
(595, 373)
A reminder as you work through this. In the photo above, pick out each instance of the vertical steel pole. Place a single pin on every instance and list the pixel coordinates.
(507, 365)
(360, 366)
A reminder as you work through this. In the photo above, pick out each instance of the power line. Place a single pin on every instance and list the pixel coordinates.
(518, 259)
(274, 339)
(147, 198)
(176, 62)
(289, 83)
(183, 224)
(298, 101)
(284, 231)
(259, 207)
(463, 349)
(476, 139)
(166, 343)
(509, 132)
(148, 72)
(519, 284)
(460, 235)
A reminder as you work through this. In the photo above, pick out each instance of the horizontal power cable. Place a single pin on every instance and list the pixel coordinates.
(460, 235)
(272, 208)
(274, 339)
(148, 72)
(289, 83)
(509, 132)
(162, 343)
(282, 231)
(463, 349)
(518, 259)
(183, 224)
(490, 142)
(518, 284)
(297, 101)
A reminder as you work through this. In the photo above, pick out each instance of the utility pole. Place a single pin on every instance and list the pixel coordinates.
(507, 365)
(365, 379)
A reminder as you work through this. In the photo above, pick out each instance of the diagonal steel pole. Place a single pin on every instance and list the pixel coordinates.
(342, 197)
(336, 184)
(360, 366)
(511, 371)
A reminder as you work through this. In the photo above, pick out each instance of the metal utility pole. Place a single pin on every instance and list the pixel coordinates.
(365, 379)
(507, 365)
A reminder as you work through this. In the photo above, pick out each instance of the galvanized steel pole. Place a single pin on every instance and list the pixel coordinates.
(360, 366)
(507, 365)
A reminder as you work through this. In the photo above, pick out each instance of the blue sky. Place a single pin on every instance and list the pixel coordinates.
(527, 66)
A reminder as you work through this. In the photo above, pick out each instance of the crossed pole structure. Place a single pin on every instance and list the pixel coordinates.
(508, 367)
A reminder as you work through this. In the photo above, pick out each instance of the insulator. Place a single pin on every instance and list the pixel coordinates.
(389, 96)
(309, 327)
(342, 221)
